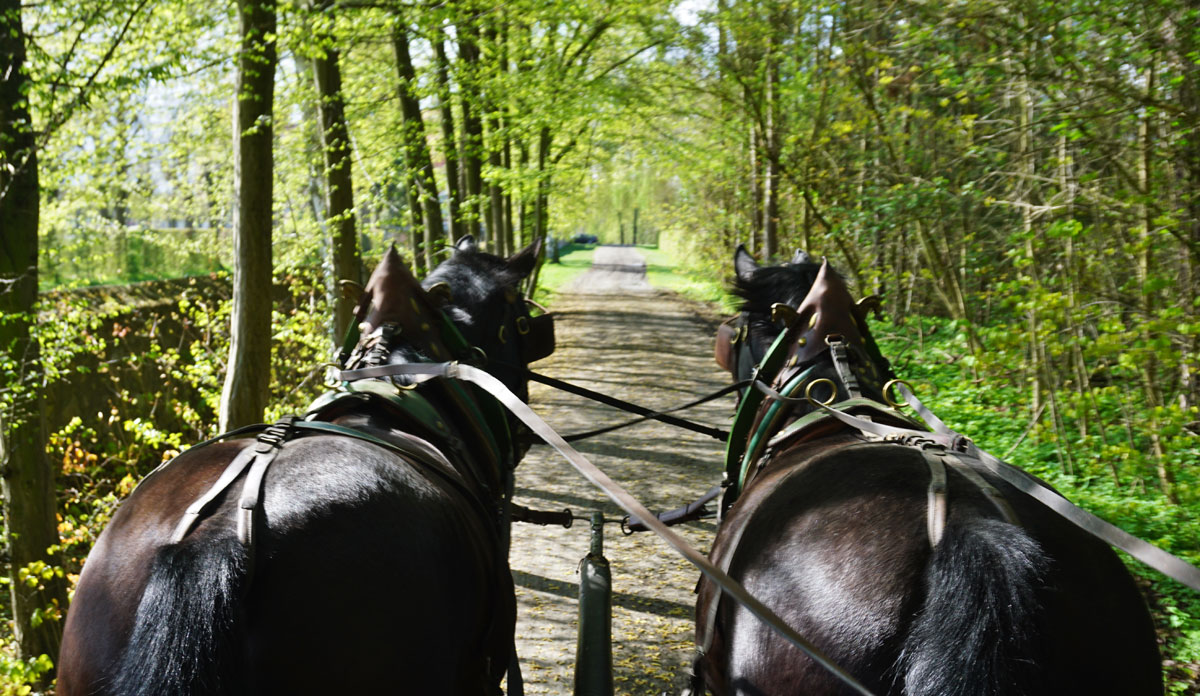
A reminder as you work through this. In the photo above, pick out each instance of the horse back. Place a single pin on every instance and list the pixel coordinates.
(116, 570)
(835, 540)
(363, 560)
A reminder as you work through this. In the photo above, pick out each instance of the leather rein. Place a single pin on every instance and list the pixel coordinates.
(645, 413)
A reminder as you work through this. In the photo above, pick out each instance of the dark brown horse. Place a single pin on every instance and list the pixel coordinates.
(375, 560)
(964, 587)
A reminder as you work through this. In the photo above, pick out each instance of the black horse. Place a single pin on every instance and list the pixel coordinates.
(375, 559)
(910, 565)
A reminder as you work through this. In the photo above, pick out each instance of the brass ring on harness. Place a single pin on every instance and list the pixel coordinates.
(738, 334)
(888, 397)
(503, 334)
(808, 391)
(522, 325)
(479, 357)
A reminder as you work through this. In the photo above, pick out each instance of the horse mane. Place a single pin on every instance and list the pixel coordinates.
(475, 277)
(788, 283)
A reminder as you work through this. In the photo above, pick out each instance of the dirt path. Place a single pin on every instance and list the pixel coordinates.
(615, 269)
(619, 336)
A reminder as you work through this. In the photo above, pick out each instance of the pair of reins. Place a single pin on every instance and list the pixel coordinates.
(645, 413)
(421, 372)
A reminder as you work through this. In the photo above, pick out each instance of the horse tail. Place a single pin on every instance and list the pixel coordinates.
(976, 633)
(184, 635)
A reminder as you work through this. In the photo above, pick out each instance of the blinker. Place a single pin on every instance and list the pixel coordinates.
(727, 338)
(538, 340)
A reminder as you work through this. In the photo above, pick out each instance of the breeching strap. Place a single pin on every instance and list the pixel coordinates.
(1170, 565)
(425, 371)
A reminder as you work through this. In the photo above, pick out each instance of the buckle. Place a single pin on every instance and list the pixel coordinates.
(275, 435)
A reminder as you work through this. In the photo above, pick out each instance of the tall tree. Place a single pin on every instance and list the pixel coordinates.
(450, 147)
(27, 474)
(339, 184)
(248, 370)
(470, 74)
(417, 158)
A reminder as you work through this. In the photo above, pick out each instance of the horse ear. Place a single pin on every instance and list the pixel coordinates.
(743, 263)
(523, 261)
(801, 256)
(466, 243)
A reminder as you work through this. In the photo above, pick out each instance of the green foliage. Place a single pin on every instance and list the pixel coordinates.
(664, 271)
(21, 677)
(161, 364)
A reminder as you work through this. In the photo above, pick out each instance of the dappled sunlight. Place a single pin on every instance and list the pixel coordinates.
(655, 350)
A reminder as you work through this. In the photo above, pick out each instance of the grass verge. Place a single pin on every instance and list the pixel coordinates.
(666, 272)
(573, 259)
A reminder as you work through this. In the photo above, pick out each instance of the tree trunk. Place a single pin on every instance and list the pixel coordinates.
(449, 140)
(499, 59)
(472, 151)
(416, 149)
(510, 238)
(1145, 270)
(27, 473)
(756, 190)
(495, 193)
(540, 213)
(339, 184)
(771, 145)
(416, 233)
(248, 375)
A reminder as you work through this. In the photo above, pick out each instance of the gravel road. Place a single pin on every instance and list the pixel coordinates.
(618, 335)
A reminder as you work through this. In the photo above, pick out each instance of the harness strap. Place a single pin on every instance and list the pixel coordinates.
(265, 450)
(197, 509)
(935, 505)
(259, 456)
(993, 494)
(841, 363)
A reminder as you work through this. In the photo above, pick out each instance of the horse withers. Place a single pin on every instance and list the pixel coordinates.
(909, 564)
(373, 558)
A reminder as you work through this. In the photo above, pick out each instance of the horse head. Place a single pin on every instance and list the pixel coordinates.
(798, 316)
(476, 293)
(482, 297)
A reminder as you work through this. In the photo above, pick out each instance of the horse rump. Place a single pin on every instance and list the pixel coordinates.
(184, 636)
(977, 632)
